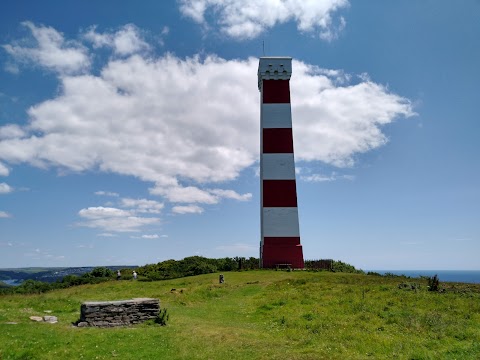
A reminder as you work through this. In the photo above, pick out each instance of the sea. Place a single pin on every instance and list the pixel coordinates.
(11, 282)
(464, 276)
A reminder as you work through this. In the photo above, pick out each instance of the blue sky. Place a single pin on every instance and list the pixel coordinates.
(129, 132)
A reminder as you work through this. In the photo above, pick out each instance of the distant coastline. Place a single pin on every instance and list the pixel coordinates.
(464, 276)
(15, 276)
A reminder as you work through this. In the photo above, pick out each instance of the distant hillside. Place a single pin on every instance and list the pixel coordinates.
(18, 275)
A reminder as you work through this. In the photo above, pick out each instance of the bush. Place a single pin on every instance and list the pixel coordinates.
(162, 318)
(339, 266)
(433, 283)
(101, 272)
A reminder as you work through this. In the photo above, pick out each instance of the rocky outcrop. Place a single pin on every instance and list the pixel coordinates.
(118, 313)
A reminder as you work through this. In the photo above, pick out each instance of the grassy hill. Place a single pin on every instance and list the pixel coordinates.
(255, 315)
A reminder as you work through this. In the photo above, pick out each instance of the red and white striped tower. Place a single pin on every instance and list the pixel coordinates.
(280, 233)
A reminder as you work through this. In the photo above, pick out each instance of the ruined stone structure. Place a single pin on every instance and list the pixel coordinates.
(118, 313)
(280, 233)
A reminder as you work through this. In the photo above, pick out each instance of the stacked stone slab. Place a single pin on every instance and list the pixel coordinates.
(280, 233)
(118, 313)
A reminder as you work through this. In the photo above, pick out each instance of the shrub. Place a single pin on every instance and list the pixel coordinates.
(162, 318)
(433, 283)
(339, 266)
(101, 272)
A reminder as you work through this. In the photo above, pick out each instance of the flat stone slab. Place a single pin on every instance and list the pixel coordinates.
(120, 302)
(50, 319)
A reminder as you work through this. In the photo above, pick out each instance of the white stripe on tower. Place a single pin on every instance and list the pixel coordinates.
(280, 234)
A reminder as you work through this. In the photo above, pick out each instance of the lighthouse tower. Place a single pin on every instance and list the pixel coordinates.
(280, 233)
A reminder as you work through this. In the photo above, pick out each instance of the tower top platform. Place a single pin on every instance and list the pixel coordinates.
(274, 68)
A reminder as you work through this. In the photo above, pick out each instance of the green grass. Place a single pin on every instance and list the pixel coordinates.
(254, 315)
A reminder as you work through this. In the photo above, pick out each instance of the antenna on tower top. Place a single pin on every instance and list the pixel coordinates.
(263, 47)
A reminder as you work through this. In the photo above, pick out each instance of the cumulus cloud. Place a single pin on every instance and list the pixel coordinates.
(246, 19)
(336, 122)
(187, 209)
(126, 41)
(48, 48)
(127, 121)
(185, 124)
(192, 194)
(230, 194)
(103, 212)
(5, 188)
(11, 131)
(143, 205)
(113, 219)
(128, 219)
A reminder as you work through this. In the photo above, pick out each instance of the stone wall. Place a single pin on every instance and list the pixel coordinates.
(118, 313)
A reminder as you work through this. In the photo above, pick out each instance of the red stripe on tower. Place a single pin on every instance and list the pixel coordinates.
(280, 234)
(277, 141)
(279, 193)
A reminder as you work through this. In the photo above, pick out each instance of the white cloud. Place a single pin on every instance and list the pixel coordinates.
(4, 215)
(187, 209)
(126, 41)
(185, 194)
(230, 194)
(153, 236)
(192, 194)
(114, 220)
(185, 124)
(103, 212)
(330, 33)
(333, 123)
(11, 131)
(326, 178)
(4, 171)
(106, 193)
(141, 131)
(143, 205)
(5, 188)
(50, 50)
(246, 19)
(107, 235)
